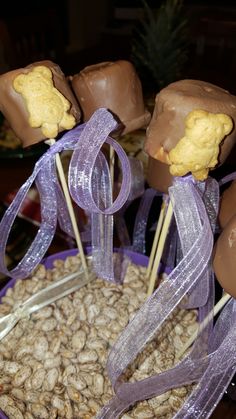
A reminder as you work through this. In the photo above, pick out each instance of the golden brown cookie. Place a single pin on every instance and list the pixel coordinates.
(14, 107)
(47, 107)
(197, 152)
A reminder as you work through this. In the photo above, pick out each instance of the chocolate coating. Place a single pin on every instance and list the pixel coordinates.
(13, 106)
(158, 175)
(115, 86)
(224, 260)
(172, 105)
(227, 205)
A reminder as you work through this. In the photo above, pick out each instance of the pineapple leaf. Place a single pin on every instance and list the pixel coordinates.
(160, 44)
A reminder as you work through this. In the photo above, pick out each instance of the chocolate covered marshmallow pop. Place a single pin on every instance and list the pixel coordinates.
(115, 86)
(227, 205)
(196, 152)
(166, 128)
(166, 132)
(224, 259)
(38, 104)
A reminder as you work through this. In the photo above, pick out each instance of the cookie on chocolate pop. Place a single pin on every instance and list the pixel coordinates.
(38, 103)
(172, 105)
(49, 91)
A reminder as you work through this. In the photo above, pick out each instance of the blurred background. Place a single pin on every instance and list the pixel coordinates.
(166, 41)
(76, 33)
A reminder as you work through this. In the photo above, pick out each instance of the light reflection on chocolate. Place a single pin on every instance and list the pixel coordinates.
(115, 86)
(227, 205)
(224, 257)
(174, 103)
(13, 106)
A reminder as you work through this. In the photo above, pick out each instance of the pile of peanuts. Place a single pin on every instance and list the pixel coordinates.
(53, 363)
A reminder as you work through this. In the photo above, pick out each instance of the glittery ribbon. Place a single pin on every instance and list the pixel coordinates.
(137, 179)
(209, 191)
(213, 372)
(48, 295)
(52, 204)
(136, 190)
(90, 186)
(53, 207)
(228, 178)
(47, 229)
(191, 269)
(140, 226)
(219, 371)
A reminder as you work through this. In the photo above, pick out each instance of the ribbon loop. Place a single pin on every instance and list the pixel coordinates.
(88, 173)
(90, 186)
(190, 270)
(35, 253)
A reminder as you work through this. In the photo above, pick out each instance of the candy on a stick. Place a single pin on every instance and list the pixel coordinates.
(193, 152)
(115, 86)
(55, 104)
(196, 152)
(38, 103)
(224, 257)
(174, 103)
(158, 175)
(227, 205)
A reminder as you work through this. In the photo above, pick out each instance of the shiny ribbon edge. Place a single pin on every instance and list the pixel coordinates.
(46, 181)
(94, 193)
(131, 331)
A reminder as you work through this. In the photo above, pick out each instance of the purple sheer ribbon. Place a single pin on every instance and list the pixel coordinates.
(140, 226)
(213, 373)
(169, 256)
(45, 184)
(228, 178)
(53, 206)
(51, 198)
(137, 189)
(137, 179)
(192, 268)
(220, 369)
(210, 195)
(90, 186)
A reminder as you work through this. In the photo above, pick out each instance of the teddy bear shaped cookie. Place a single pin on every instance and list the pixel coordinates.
(47, 107)
(197, 152)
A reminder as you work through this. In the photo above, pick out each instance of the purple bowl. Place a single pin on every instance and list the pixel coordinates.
(136, 258)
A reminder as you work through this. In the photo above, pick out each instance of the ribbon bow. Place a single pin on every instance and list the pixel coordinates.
(193, 268)
(90, 185)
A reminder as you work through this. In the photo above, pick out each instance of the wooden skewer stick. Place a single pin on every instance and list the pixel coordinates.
(205, 322)
(160, 248)
(156, 239)
(112, 165)
(70, 207)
